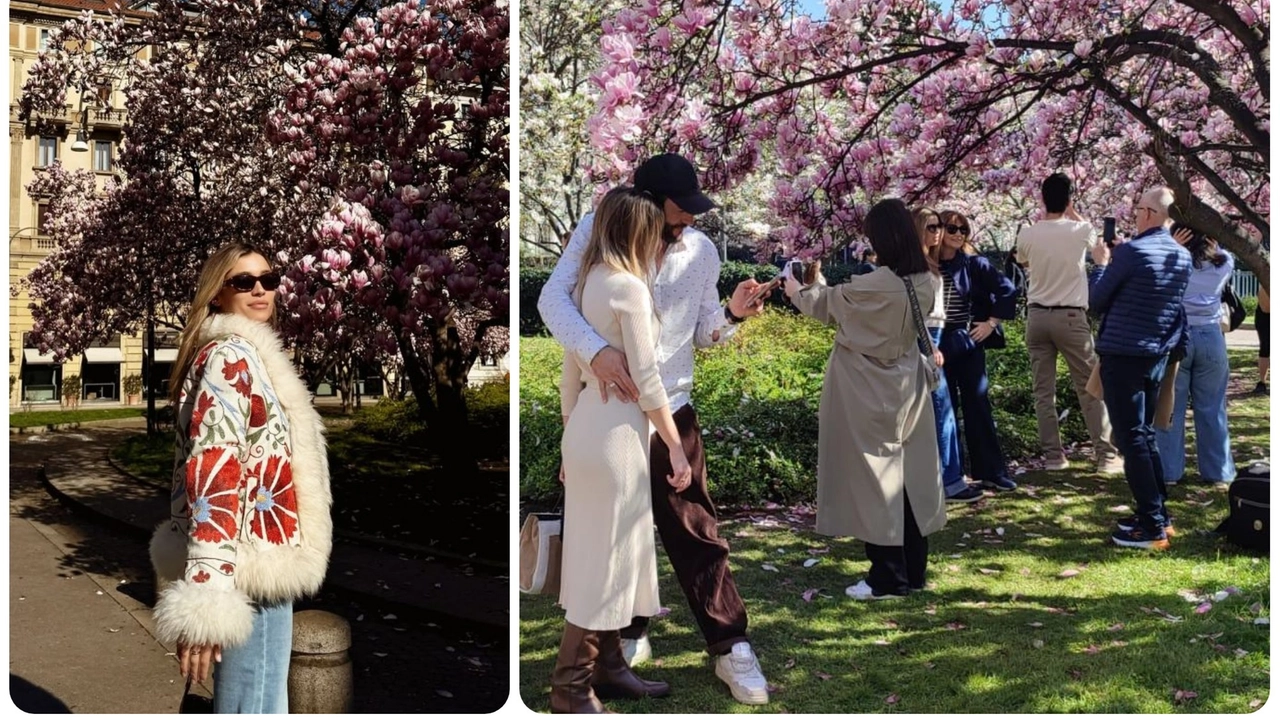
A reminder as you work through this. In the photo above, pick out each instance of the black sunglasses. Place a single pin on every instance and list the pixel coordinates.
(244, 282)
(934, 227)
(953, 229)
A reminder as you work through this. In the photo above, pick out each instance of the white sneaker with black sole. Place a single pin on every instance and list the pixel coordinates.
(862, 591)
(740, 670)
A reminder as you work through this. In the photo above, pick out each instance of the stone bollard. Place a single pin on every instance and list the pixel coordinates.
(320, 666)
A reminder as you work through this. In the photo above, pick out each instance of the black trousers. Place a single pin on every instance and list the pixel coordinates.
(896, 570)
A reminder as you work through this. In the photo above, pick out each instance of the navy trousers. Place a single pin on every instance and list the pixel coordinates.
(965, 365)
(1129, 388)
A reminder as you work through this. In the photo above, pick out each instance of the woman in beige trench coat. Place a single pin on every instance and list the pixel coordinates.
(877, 448)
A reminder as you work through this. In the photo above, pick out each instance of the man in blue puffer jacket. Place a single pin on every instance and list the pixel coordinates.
(1138, 295)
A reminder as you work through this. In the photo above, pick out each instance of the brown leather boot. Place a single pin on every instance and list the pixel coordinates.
(571, 680)
(613, 678)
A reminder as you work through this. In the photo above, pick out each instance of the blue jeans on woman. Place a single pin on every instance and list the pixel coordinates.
(1202, 378)
(254, 677)
(948, 436)
(965, 367)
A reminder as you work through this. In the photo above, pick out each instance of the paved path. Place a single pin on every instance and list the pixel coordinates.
(1243, 337)
(80, 632)
(81, 475)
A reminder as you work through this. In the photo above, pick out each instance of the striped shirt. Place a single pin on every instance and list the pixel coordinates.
(958, 311)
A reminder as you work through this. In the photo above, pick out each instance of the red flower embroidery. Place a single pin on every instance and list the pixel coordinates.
(237, 373)
(227, 568)
(203, 357)
(200, 577)
(213, 494)
(257, 411)
(203, 404)
(275, 504)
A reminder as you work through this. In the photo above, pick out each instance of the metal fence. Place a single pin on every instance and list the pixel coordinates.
(1244, 283)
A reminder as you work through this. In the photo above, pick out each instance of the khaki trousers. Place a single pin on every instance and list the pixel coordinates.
(1066, 331)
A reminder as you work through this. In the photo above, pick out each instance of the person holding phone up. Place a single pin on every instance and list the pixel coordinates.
(1053, 251)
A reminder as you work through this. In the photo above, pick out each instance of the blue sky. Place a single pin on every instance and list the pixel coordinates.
(817, 8)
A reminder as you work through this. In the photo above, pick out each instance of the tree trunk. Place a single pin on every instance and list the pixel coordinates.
(451, 380)
(446, 416)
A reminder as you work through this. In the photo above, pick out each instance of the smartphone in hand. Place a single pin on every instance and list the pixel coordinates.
(1109, 231)
(764, 290)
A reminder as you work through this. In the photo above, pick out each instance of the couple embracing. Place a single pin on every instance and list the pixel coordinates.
(634, 292)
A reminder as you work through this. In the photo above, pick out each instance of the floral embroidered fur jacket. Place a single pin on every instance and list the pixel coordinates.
(249, 513)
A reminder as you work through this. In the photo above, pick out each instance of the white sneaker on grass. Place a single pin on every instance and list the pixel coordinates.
(740, 670)
(638, 651)
(1057, 463)
(862, 591)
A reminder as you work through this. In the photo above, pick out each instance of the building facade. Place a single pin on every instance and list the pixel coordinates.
(86, 136)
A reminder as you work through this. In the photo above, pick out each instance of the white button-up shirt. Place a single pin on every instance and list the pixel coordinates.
(685, 298)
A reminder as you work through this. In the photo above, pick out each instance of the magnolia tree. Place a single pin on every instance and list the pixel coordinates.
(406, 128)
(897, 98)
(211, 153)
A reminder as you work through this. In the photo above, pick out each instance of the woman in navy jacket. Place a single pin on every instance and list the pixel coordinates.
(977, 296)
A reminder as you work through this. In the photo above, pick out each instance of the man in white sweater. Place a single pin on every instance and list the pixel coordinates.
(687, 300)
(1053, 251)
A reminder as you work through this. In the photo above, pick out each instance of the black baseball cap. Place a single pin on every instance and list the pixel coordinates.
(671, 176)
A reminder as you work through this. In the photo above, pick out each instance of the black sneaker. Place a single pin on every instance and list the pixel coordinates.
(968, 495)
(1261, 389)
(1131, 522)
(1002, 484)
(1139, 538)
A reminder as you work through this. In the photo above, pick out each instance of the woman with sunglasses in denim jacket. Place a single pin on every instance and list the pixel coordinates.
(976, 297)
(249, 529)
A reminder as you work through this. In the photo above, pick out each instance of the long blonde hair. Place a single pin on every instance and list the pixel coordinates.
(921, 217)
(626, 235)
(212, 276)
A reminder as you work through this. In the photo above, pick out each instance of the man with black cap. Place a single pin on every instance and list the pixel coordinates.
(687, 300)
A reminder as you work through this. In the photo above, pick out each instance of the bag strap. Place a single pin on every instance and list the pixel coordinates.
(922, 338)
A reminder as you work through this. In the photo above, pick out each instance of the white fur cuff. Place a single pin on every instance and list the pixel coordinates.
(202, 615)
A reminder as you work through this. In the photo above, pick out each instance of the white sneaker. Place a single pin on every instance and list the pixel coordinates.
(862, 591)
(1111, 467)
(637, 652)
(1058, 463)
(740, 670)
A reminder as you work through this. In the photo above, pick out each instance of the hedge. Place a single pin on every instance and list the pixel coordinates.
(731, 274)
(757, 399)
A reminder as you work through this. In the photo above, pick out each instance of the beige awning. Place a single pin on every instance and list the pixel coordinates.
(32, 356)
(103, 356)
(165, 355)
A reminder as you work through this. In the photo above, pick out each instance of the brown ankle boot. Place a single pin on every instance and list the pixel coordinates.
(571, 680)
(613, 678)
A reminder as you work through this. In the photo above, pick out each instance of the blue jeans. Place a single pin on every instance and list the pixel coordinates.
(1202, 378)
(1129, 387)
(254, 677)
(966, 371)
(948, 436)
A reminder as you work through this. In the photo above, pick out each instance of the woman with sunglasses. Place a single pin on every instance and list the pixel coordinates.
(929, 226)
(976, 296)
(249, 529)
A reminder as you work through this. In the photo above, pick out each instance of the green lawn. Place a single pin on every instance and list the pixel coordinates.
(1029, 609)
(41, 418)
